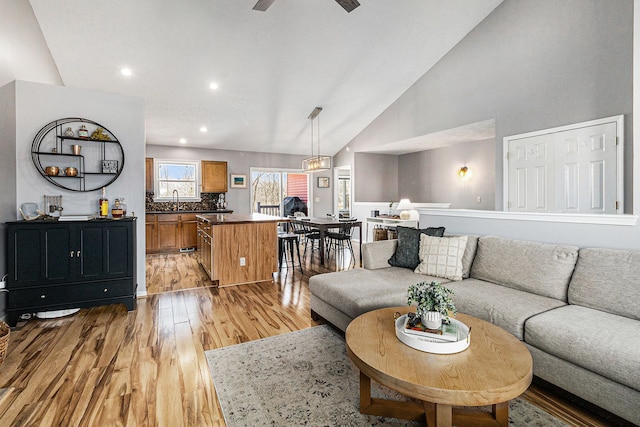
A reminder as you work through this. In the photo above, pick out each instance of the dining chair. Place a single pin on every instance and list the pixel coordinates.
(340, 240)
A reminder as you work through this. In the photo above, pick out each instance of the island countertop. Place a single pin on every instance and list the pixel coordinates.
(216, 219)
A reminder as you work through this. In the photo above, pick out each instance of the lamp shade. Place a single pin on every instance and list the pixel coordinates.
(404, 204)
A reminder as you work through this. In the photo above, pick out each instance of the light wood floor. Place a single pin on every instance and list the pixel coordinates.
(106, 367)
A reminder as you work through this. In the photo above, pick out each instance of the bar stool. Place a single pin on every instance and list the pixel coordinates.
(286, 243)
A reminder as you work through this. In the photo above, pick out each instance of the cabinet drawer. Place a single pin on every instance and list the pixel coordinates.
(168, 217)
(52, 295)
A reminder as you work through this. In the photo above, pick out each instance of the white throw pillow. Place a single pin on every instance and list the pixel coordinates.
(441, 256)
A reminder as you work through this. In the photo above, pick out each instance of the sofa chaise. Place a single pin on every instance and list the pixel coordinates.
(577, 310)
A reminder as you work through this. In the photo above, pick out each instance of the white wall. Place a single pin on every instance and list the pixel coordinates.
(38, 104)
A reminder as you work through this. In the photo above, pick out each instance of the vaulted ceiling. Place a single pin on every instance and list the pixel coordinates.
(272, 68)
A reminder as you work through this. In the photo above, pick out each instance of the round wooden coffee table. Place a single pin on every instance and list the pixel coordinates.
(495, 368)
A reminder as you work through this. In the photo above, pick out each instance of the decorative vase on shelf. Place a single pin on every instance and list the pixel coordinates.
(83, 132)
(432, 319)
(68, 132)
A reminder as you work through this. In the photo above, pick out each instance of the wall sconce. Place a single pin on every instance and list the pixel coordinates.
(463, 172)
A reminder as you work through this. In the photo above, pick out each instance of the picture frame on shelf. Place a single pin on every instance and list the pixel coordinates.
(238, 180)
(323, 182)
(109, 166)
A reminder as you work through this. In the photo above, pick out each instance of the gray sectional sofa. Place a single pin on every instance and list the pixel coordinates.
(577, 310)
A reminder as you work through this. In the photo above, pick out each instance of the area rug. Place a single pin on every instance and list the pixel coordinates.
(305, 378)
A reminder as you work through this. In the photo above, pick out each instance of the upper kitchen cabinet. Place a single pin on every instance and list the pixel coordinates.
(214, 176)
(148, 175)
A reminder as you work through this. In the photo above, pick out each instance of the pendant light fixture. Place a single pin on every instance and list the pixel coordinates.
(316, 163)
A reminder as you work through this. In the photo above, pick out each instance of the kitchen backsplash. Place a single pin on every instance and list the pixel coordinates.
(210, 201)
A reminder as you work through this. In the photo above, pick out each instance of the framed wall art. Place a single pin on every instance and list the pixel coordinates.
(238, 181)
(323, 182)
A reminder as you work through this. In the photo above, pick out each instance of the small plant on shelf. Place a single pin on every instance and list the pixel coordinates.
(432, 298)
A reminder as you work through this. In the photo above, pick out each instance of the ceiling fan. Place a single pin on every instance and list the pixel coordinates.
(347, 5)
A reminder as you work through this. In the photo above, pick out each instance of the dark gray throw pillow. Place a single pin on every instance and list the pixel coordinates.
(406, 254)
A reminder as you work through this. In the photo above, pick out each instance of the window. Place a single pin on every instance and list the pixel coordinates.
(172, 175)
(279, 192)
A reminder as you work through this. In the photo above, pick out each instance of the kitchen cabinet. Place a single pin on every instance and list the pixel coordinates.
(170, 232)
(188, 231)
(214, 176)
(205, 247)
(62, 265)
(148, 175)
(237, 249)
(151, 234)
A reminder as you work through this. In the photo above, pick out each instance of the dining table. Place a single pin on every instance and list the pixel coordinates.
(325, 223)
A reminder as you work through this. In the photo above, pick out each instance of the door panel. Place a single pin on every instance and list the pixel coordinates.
(588, 157)
(58, 248)
(573, 169)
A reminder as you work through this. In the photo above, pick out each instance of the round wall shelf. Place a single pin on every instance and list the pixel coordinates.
(77, 154)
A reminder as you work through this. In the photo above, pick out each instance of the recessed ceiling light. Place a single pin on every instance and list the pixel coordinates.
(183, 141)
(203, 129)
(213, 85)
(126, 72)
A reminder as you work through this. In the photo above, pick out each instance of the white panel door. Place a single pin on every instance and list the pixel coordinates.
(586, 170)
(573, 169)
(531, 173)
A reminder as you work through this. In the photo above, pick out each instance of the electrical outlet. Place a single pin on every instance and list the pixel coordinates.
(243, 261)
(479, 199)
(3, 284)
(317, 199)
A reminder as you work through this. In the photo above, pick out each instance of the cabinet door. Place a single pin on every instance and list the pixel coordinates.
(105, 250)
(151, 234)
(39, 254)
(148, 181)
(214, 177)
(188, 231)
(168, 233)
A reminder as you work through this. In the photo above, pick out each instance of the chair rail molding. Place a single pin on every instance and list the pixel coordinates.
(622, 220)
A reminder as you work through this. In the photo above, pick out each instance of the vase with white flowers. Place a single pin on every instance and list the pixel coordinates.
(434, 303)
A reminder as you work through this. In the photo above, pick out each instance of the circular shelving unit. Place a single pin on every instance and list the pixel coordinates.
(98, 163)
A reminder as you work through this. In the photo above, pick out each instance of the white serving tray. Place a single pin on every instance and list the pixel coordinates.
(430, 345)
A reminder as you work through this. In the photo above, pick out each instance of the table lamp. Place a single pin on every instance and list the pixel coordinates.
(404, 205)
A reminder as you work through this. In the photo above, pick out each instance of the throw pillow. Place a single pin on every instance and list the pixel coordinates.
(442, 256)
(406, 254)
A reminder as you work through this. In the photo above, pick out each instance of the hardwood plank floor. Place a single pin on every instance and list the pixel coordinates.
(107, 367)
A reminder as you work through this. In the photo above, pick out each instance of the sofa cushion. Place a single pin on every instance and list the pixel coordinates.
(539, 268)
(376, 254)
(505, 307)
(598, 341)
(607, 280)
(469, 255)
(406, 254)
(360, 290)
(441, 256)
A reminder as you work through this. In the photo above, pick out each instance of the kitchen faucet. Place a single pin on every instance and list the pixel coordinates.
(175, 193)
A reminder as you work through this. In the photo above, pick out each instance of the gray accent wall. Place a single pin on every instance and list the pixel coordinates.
(241, 162)
(432, 175)
(7, 173)
(375, 177)
(530, 65)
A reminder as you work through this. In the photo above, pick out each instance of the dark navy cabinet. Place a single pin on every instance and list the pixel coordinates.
(60, 265)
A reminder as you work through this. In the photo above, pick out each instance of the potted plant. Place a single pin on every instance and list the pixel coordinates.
(434, 303)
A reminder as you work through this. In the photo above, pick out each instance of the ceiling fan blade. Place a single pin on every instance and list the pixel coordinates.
(348, 5)
(263, 5)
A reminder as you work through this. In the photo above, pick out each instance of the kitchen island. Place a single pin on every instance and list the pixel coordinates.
(238, 248)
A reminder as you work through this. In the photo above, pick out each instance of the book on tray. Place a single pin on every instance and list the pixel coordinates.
(445, 333)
